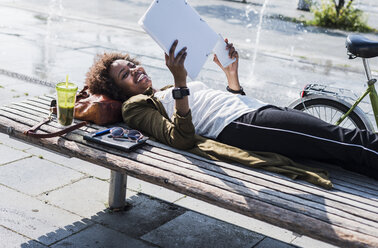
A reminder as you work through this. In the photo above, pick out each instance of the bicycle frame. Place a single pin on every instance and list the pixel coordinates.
(372, 94)
(374, 102)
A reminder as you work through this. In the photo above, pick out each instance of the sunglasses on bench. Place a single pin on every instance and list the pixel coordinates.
(120, 133)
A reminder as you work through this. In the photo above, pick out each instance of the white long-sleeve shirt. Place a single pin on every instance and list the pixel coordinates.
(212, 110)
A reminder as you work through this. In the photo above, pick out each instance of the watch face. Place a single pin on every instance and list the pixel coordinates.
(176, 94)
(179, 93)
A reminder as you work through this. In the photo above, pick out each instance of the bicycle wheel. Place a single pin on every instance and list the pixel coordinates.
(330, 109)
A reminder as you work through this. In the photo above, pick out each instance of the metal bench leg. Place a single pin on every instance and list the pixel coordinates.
(117, 190)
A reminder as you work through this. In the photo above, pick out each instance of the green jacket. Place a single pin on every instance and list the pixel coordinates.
(147, 114)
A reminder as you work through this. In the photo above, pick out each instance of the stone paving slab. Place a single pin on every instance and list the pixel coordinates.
(99, 236)
(17, 90)
(85, 197)
(11, 239)
(237, 219)
(196, 230)
(73, 163)
(35, 219)
(145, 215)
(24, 90)
(14, 143)
(277, 237)
(8, 155)
(34, 176)
(304, 241)
(274, 232)
(70, 62)
(30, 51)
(269, 243)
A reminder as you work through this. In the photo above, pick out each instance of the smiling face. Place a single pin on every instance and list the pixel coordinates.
(132, 79)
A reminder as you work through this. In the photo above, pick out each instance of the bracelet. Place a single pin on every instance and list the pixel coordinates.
(241, 91)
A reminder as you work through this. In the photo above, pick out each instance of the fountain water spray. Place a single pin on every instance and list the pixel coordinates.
(258, 36)
(54, 15)
(248, 10)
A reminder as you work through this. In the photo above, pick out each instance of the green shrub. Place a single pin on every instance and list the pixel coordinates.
(331, 15)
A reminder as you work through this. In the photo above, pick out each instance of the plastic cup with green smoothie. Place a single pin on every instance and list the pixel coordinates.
(66, 96)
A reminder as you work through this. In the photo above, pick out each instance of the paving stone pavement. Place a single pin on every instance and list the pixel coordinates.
(48, 200)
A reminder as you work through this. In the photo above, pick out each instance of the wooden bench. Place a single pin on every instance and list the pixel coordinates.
(345, 216)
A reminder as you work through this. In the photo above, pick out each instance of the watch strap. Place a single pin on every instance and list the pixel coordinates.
(241, 91)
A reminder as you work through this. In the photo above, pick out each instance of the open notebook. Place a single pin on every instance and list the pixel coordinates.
(102, 137)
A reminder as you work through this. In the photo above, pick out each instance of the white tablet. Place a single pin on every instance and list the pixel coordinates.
(168, 20)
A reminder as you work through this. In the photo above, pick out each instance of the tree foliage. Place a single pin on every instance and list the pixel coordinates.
(342, 15)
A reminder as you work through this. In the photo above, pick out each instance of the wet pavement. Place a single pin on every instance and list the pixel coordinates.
(49, 39)
(43, 41)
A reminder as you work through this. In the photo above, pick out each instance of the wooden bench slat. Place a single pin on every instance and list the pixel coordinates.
(48, 97)
(356, 189)
(41, 101)
(37, 104)
(37, 116)
(350, 177)
(21, 107)
(354, 179)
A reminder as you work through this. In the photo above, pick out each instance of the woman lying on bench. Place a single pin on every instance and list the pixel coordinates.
(174, 115)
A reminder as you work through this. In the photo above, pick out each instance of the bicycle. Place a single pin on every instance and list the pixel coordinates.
(332, 105)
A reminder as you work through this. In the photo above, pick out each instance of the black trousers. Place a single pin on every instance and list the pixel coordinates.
(296, 134)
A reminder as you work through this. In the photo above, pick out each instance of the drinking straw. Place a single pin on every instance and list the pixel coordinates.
(65, 98)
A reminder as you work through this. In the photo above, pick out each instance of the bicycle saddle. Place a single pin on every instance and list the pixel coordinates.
(361, 46)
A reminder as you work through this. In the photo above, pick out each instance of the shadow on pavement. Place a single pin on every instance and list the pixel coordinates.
(113, 229)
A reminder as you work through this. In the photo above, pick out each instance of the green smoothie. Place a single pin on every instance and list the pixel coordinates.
(65, 115)
(66, 96)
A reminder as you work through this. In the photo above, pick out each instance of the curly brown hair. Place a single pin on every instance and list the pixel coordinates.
(98, 78)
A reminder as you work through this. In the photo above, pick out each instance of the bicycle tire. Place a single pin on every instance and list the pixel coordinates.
(330, 109)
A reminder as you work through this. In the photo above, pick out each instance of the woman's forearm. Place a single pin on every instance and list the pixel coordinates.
(182, 105)
(233, 81)
(231, 70)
